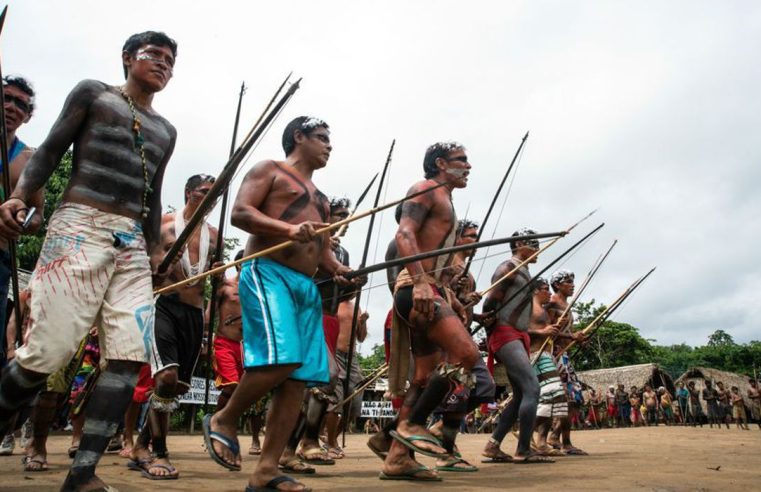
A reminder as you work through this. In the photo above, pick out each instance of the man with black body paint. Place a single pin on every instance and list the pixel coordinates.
(105, 229)
(509, 342)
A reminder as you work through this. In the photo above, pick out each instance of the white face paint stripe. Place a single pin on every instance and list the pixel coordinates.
(267, 327)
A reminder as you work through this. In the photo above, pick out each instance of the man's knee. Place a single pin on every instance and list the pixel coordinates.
(470, 357)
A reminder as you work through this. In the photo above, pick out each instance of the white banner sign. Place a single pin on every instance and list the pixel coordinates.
(197, 392)
(377, 410)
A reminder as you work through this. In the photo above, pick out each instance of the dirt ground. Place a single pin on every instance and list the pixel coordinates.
(663, 459)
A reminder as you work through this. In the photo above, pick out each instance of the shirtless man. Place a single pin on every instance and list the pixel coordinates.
(284, 346)
(696, 411)
(552, 399)
(178, 329)
(710, 396)
(562, 283)
(105, 229)
(509, 342)
(754, 394)
(18, 106)
(651, 403)
(434, 318)
(725, 407)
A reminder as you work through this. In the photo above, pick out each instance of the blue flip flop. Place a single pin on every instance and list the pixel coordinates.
(209, 436)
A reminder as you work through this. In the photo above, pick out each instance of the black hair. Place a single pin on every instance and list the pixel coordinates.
(306, 125)
(539, 281)
(136, 41)
(463, 224)
(436, 151)
(195, 181)
(238, 255)
(24, 86)
(336, 203)
(523, 232)
(398, 213)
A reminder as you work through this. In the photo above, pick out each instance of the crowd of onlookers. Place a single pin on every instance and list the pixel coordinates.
(644, 406)
(619, 407)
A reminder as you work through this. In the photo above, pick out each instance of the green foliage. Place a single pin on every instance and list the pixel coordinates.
(29, 246)
(618, 344)
(372, 361)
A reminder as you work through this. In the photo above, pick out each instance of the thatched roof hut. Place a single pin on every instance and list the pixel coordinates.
(700, 374)
(638, 375)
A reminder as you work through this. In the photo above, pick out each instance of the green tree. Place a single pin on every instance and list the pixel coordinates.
(612, 344)
(720, 338)
(373, 361)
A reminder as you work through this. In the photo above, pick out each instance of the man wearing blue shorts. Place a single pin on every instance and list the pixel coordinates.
(284, 347)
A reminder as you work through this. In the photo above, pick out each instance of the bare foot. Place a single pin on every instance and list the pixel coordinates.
(403, 464)
(140, 454)
(491, 451)
(161, 467)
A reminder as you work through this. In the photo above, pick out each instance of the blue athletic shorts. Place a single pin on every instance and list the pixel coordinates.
(282, 321)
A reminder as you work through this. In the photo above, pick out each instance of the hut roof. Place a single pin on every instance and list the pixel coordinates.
(637, 375)
(700, 374)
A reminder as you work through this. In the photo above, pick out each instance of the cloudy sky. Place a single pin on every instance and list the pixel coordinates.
(646, 110)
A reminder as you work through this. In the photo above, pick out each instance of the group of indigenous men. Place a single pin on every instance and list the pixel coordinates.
(286, 321)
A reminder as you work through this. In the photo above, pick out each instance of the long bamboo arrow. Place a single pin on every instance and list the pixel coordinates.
(6, 194)
(430, 254)
(355, 317)
(359, 201)
(219, 252)
(533, 279)
(228, 172)
(595, 267)
(608, 312)
(482, 227)
(286, 244)
(445, 252)
(525, 262)
(597, 321)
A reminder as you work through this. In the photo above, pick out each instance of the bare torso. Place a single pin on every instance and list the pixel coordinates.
(539, 319)
(345, 319)
(292, 198)
(556, 308)
(188, 294)
(107, 170)
(434, 217)
(230, 325)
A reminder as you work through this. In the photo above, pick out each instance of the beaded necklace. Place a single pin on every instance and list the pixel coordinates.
(139, 147)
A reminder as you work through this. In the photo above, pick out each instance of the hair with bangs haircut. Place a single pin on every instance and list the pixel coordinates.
(137, 41)
(436, 151)
(23, 85)
(304, 124)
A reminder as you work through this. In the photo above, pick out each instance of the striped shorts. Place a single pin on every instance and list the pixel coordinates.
(552, 397)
